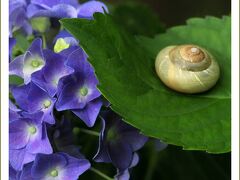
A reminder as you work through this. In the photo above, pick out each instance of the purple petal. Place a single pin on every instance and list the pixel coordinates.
(38, 79)
(62, 34)
(69, 96)
(67, 37)
(13, 107)
(36, 99)
(54, 70)
(34, 53)
(13, 112)
(47, 3)
(26, 172)
(78, 61)
(90, 112)
(29, 157)
(121, 154)
(22, 65)
(48, 114)
(32, 9)
(13, 115)
(86, 10)
(134, 139)
(51, 73)
(19, 94)
(28, 68)
(122, 175)
(45, 163)
(68, 51)
(18, 134)
(17, 15)
(32, 118)
(57, 11)
(40, 143)
(16, 66)
(16, 158)
(14, 4)
(135, 160)
(36, 48)
(32, 99)
(102, 154)
(13, 174)
(75, 167)
(27, 28)
(29, 97)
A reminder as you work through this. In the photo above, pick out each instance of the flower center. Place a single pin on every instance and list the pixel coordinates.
(35, 63)
(47, 103)
(55, 81)
(32, 130)
(83, 91)
(54, 173)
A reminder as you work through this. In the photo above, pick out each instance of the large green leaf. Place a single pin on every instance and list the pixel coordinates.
(125, 69)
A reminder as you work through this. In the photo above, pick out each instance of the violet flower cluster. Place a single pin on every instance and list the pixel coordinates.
(58, 79)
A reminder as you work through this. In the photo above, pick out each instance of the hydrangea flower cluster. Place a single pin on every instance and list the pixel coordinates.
(58, 80)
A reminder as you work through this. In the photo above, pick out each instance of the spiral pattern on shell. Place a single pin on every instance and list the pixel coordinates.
(187, 68)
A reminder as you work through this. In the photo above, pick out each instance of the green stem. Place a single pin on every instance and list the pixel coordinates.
(100, 174)
(44, 41)
(152, 163)
(90, 132)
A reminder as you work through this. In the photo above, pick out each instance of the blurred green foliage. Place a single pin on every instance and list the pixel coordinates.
(137, 19)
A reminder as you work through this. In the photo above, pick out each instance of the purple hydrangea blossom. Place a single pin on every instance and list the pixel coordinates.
(64, 9)
(124, 174)
(58, 166)
(118, 142)
(13, 174)
(27, 137)
(28, 63)
(78, 92)
(14, 112)
(12, 43)
(87, 9)
(18, 17)
(48, 77)
(25, 174)
(33, 99)
(53, 8)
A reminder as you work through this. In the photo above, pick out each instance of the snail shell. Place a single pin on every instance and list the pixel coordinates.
(187, 68)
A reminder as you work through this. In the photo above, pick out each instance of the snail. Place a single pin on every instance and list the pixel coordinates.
(187, 68)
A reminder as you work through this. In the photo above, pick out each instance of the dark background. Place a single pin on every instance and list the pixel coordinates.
(175, 12)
